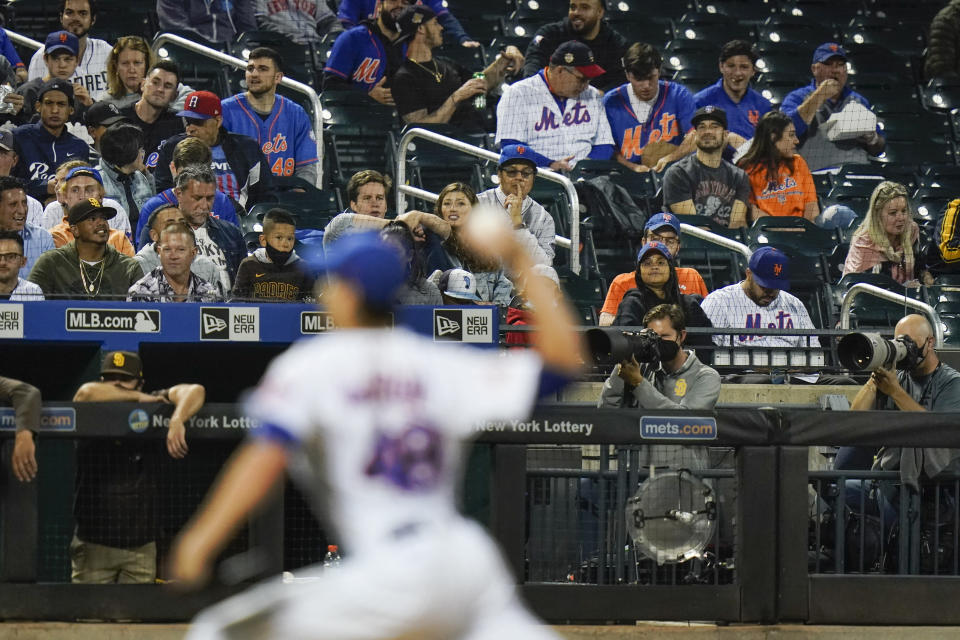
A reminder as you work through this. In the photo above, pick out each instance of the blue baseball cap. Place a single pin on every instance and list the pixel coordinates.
(84, 171)
(375, 268)
(653, 246)
(61, 40)
(829, 50)
(770, 268)
(661, 220)
(513, 153)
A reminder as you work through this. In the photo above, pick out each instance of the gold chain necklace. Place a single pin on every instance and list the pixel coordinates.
(436, 69)
(89, 282)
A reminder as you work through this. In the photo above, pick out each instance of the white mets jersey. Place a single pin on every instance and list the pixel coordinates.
(91, 70)
(379, 417)
(730, 307)
(551, 126)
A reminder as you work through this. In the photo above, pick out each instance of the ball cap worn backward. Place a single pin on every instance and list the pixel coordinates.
(661, 220)
(201, 105)
(829, 50)
(56, 84)
(709, 112)
(516, 153)
(460, 284)
(103, 114)
(375, 268)
(86, 208)
(653, 246)
(61, 41)
(578, 55)
(123, 362)
(770, 268)
(411, 18)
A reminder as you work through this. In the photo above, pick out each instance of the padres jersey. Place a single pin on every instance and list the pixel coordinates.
(730, 307)
(285, 136)
(743, 116)
(669, 119)
(393, 428)
(554, 127)
(91, 70)
(360, 56)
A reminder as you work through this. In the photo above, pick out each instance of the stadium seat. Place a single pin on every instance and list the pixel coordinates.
(941, 95)
(871, 60)
(874, 173)
(895, 101)
(798, 237)
(470, 58)
(799, 30)
(929, 202)
(827, 12)
(519, 28)
(583, 293)
(357, 136)
(695, 79)
(640, 29)
(661, 11)
(542, 11)
(717, 265)
(903, 151)
(901, 38)
(743, 11)
(775, 86)
(784, 62)
(643, 187)
(710, 27)
(900, 12)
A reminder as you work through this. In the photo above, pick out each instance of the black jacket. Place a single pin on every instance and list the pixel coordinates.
(608, 48)
(636, 303)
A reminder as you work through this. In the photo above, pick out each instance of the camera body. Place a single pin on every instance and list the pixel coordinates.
(608, 345)
(871, 351)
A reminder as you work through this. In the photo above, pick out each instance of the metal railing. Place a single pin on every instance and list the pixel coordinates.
(572, 243)
(890, 296)
(716, 239)
(237, 63)
(24, 40)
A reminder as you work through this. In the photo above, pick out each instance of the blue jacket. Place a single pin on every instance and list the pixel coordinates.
(41, 153)
(223, 208)
(230, 240)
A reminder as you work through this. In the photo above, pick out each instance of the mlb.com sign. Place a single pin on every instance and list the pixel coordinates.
(678, 427)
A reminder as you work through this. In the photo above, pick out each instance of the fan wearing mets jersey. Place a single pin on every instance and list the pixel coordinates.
(383, 438)
(647, 110)
(556, 113)
(279, 125)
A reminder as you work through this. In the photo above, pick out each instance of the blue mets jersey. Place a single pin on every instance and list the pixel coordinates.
(285, 136)
(669, 119)
(359, 55)
(743, 116)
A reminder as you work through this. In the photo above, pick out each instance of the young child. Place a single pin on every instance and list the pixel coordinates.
(274, 273)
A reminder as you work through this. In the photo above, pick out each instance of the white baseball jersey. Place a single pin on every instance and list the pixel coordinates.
(53, 215)
(554, 127)
(730, 307)
(377, 419)
(91, 70)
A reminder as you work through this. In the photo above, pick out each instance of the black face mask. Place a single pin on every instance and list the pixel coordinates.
(278, 258)
(668, 350)
(914, 354)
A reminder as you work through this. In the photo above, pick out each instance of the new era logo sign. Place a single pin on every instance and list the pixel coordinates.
(215, 324)
(463, 325)
(230, 323)
(447, 327)
(446, 324)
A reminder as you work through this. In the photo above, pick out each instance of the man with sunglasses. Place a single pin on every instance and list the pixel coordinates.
(556, 114)
(239, 164)
(533, 224)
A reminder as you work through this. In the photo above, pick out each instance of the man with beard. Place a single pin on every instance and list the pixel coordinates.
(584, 22)
(77, 16)
(368, 55)
(279, 125)
(87, 267)
(704, 183)
(152, 111)
(351, 12)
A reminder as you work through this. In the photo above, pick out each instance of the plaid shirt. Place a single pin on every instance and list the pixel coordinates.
(154, 287)
(35, 242)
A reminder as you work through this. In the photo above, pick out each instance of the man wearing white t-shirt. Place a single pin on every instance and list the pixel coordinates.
(760, 301)
(77, 16)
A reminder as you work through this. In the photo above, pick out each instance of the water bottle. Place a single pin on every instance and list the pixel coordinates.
(480, 100)
(332, 559)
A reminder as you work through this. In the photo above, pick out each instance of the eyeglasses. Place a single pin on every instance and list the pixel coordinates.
(10, 257)
(667, 240)
(197, 122)
(525, 174)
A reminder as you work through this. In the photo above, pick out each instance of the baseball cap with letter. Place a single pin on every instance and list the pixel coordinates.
(86, 208)
(661, 220)
(411, 18)
(56, 84)
(653, 246)
(577, 55)
(103, 114)
(373, 267)
(61, 41)
(829, 50)
(201, 105)
(125, 363)
(516, 153)
(709, 112)
(460, 284)
(770, 268)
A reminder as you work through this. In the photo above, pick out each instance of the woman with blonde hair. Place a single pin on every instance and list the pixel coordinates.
(884, 241)
(126, 68)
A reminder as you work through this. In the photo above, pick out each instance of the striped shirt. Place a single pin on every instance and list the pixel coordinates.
(35, 242)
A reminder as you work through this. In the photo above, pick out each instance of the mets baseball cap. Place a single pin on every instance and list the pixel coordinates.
(125, 363)
(62, 40)
(514, 153)
(770, 268)
(653, 246)
(84, 171)
(709, 112)
(578, 55)
(460, 284)
(86, 208)
(375, 268)
(103, 114)
(201, 105)
(56, 84)
(829, 50)
(411, 18)
(661, 220)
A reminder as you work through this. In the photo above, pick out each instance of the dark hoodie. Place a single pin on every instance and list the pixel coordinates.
(259, 278)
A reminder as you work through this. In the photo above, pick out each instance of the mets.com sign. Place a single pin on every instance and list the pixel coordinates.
(678, 427)
(51, 419)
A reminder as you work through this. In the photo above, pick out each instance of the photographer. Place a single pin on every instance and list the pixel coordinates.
(670, 378)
